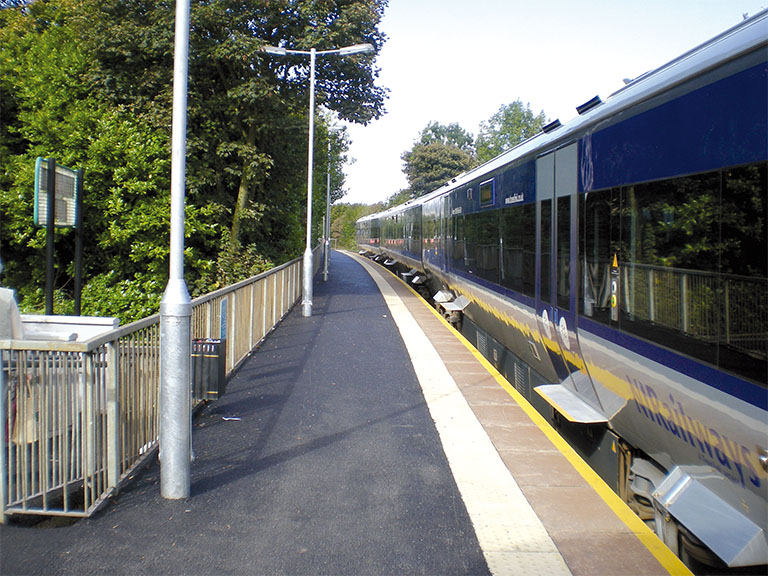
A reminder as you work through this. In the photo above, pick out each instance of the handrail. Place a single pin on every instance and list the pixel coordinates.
(81, 416)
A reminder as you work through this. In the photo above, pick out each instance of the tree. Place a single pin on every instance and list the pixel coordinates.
(440, 153)
(448, 135)
(89, 83)
(344, 218)
(509, 126)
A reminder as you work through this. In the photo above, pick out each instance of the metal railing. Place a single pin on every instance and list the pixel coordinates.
(77, 418)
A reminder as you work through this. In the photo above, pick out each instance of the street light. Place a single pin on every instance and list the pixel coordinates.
(306, 302)
(327, 219)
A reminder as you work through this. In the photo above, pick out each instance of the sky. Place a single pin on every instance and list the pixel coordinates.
(460, 60)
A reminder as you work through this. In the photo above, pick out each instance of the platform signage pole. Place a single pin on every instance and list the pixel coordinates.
(50, 236)
(176, 307)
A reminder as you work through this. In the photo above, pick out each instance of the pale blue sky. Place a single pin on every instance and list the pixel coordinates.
(460, 60)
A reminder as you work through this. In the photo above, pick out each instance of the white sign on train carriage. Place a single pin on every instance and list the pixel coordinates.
(65, 195)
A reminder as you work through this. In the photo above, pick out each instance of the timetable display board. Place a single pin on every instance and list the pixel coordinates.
(65, 195)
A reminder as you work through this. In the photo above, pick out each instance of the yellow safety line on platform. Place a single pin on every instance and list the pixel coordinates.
(660, 551)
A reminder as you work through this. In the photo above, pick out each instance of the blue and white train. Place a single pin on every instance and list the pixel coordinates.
(616, 267)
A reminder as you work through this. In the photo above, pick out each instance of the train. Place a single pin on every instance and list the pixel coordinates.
(615, 269)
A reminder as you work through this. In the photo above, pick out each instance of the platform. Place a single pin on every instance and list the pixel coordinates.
(367, 439)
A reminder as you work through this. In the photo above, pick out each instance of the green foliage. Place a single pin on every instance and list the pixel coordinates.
(343, 219)
(439, 153)
(130, 299)
(237, 262)
(511, 125)
(450, 135)
(89, 82)
(430, 166)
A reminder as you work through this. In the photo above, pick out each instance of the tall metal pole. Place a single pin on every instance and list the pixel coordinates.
(307, 272)
(79, 243)
(175, 307)
(50, 235)
(327, 221)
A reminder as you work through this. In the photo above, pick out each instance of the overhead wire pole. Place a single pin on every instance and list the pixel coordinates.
(176, 307)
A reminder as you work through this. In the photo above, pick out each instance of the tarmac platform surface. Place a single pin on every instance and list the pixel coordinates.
(327, 455)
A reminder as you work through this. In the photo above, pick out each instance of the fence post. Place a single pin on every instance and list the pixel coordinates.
(3, 453)
(264, 301)
(251, 306)
(113, 415)
(274, 301)
(90, 407)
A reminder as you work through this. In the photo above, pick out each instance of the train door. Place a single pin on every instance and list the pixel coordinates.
(443, 232)
(557, 248)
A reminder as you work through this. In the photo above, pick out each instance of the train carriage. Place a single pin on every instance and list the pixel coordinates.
(616, 269)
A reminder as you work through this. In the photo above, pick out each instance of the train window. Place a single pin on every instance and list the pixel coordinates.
(564, 252)
(458, 242)
(482, 245)
(743, 336)
(669, 285)
(546, 249)
(487, 193)
(693, 265)
(518, 234)
(599, 233)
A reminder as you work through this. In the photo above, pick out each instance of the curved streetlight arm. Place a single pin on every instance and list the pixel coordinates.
(345, 51)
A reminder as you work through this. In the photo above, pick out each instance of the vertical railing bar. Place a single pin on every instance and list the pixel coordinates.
(88, 460)
(252, 313)
(37, 448)
(272, 300)
(5, 453)
(263, 285)
(113, 415)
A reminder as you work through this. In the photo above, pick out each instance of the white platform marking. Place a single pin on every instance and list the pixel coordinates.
(510, 534)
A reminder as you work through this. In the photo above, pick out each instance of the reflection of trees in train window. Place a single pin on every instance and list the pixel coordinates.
(744, 243)
(430, 228)
(600, 233)
(518, 234)
(546, 249)
(482, 245)
(693, 262)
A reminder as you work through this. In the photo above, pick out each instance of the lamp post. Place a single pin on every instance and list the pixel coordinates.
(306, 302)
(176, 306)
(327, 221)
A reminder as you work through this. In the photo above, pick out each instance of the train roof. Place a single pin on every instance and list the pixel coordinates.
(740, 39)
(745, 37)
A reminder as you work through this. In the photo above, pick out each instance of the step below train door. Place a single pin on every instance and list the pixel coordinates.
(556, 303)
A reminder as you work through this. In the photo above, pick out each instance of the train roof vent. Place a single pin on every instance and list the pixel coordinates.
(587, 106)
(554, 125)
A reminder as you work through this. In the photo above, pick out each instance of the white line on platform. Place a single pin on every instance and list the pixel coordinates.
(510, 534)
